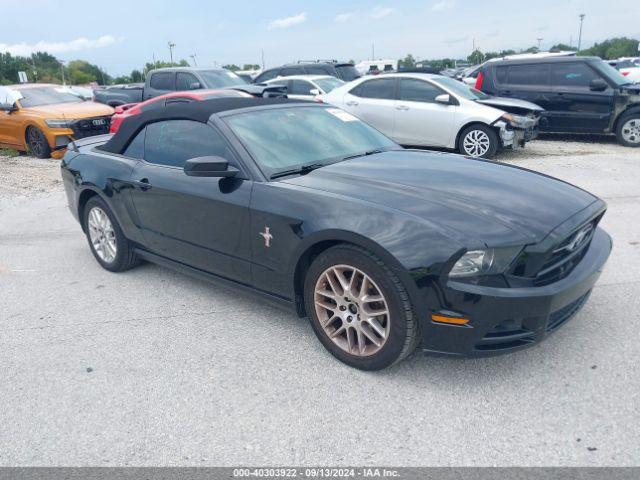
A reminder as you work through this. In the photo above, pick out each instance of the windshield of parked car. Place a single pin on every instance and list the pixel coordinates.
(329, 83)
(611, 73)
(460, 89)
(36, 97)
(221, 79)
(287, 138)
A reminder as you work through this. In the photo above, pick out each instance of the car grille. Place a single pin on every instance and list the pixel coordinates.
(564, 257)
(88, 127)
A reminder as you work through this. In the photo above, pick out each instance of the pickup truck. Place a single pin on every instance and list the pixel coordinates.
(166, 80)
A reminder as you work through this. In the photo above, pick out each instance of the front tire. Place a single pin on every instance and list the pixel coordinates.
(37, 143)
(478, 141)
(628, 130)
(107, 242)
(359, 309)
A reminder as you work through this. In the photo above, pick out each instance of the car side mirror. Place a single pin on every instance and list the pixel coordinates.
(209, 167)
(444, 99)
(314, 91)
(8, 107)
(598, 85)
(195, 86)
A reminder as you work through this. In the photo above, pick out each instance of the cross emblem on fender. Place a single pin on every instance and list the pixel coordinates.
(267, 236)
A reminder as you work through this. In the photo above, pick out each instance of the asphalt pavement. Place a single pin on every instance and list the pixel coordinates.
(151, 367)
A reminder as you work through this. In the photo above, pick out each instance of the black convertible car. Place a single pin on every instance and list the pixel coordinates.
(385, 249)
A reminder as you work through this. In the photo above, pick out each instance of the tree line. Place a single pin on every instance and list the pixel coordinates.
(45, 68)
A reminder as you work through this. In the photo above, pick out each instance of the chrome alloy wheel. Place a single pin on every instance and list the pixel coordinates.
(631, 131)
(102, 235)
(476, 143)
(352, 310)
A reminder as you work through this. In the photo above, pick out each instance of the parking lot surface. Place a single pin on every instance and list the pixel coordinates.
(151, 367)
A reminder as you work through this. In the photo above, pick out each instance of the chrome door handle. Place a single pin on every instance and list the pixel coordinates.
(351, 103)
(143, 184)
(402, 107)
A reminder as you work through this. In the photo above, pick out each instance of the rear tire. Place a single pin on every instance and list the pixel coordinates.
(479, 141)
(107, 242)
(628, 130)
(347, 321)
(37, 143)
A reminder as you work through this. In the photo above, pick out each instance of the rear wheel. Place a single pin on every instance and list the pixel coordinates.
(478, 141)
(628, 131)
(106, 240)
(37, 142)
(359, 309)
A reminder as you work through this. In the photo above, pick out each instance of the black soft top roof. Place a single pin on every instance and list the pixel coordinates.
(196, 111)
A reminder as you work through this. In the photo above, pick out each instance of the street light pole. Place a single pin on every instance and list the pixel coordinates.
(171, 45)
(195, 62)
(539, 42)
(582, 15)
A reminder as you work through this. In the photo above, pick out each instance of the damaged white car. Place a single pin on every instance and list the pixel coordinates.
(417, 109)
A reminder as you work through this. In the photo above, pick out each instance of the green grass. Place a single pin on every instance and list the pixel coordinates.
(8, 152)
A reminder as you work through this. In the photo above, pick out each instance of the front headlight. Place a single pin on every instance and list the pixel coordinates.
(514, 120)
(57, 123)
(484, 262)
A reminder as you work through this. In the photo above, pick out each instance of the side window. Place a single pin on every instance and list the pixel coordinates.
(288, 72)
(382, 88)
(501, 75)
(318, 70)
(185, 80)
(173, 142)
(136, 146)
(412, 90)
(300, 87)
(572, 75)
(162, 81)
(532, 75)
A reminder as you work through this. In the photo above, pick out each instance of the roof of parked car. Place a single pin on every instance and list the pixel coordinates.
(192, 69)
(196, 111)
(300, 77)
(559, 59)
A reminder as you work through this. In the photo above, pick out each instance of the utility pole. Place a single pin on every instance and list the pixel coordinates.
(262, 57)
(373, 52)
(193, 57)
(539, 42)
(171, 46)
(582, 15)
(62, 71)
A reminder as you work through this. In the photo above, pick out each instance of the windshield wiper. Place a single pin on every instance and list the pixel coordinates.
(299, 170)
(363, 154)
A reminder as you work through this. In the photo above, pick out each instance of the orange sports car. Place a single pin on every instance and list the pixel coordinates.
(42, 118)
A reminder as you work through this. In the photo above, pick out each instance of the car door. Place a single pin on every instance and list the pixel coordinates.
(300, 89)
(419, 119)
(578, 108)
(373, 101)
(526, 81)
(198, 221)
(159, 84)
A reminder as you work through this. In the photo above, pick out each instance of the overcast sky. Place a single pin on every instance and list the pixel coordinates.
(122, 35)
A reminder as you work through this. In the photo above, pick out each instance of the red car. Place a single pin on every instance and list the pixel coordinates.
(131, 109)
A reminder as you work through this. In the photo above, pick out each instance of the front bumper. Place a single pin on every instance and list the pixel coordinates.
(516, 138)
(504, 320)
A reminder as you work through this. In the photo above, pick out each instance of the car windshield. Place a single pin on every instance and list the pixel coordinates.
(287, 138)
(460, 88)
(329, 83)
(611, 73)
(36, 97)
(221, 78)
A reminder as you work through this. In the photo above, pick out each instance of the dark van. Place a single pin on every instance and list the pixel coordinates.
(579, 94)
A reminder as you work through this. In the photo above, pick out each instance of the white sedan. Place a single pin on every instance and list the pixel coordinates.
(420, 109)
(307, 87)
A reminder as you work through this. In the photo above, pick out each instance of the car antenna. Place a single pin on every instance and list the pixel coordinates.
(72, 142)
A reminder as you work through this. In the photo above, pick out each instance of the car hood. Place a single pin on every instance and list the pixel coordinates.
(511, 104)
(470, 198)
(72, 110)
